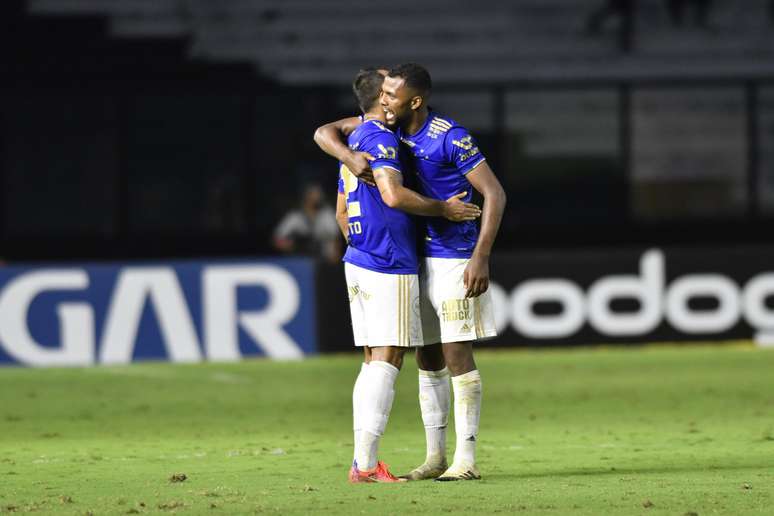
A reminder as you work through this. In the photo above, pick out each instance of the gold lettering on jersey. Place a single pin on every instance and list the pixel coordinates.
(467, 155)
(455, 310)
(465, 143)
(355, 291)
(387, 152)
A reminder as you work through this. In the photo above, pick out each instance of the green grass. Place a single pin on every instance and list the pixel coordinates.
(660, 430)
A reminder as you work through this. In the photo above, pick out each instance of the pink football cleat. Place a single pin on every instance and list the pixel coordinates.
(380, 474)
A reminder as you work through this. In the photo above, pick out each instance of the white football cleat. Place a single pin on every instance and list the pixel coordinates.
(460, 472)
(427, 471)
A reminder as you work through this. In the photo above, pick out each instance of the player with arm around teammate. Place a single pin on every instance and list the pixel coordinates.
(456, 305)
(381, 267)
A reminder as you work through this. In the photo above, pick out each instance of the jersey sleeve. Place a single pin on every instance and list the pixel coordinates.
(384, 146)
(462, 149)
(340, 180)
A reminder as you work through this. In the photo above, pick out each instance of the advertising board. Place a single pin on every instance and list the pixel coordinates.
(80, 315)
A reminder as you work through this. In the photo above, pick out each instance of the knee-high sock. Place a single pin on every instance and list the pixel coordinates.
(434, 399)
(378, 394)
(467, 411)
(357, 400)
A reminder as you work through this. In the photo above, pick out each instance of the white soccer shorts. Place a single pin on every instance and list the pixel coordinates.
(384, 307)
(446, 315)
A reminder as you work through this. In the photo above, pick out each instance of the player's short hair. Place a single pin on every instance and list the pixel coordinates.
(367, 87)
(376, 69)
(415, 77)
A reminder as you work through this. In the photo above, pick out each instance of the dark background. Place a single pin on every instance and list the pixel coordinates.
(184, 128)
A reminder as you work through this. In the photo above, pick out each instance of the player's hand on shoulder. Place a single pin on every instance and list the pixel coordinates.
(457, 210)
(476, 276)
(359, 163)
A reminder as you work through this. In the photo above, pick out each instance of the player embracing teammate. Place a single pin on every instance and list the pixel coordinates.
(456, 308)
(381, 268)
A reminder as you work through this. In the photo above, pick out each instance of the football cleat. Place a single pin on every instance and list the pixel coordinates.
(380, 474)
(353, 473)
(427, 471)
(461, 472)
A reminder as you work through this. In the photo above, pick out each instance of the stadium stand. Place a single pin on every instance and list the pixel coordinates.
(494, 40)
(584, 132)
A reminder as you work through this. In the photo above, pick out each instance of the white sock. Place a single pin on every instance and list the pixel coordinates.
(378, 393)
(467, 411)
(434, 400)
(357, 400)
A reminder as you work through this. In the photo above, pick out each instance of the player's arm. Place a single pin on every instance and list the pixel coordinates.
(332, 139)
(395, 195)
(476, 276)
(342, 219)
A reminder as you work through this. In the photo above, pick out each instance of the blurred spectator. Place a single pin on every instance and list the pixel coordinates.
(311, 229)
(624, 11)
(701, 10)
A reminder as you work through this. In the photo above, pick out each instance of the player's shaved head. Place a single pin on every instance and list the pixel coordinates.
(415, 77)
(367, 87)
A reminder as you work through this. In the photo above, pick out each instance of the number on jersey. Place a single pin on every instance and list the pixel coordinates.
(355, 228)
(353, 207)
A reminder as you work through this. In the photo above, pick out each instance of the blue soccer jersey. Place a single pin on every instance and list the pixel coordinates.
(444, 152)
(381, 238)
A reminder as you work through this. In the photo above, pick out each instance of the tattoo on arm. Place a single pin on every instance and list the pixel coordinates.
(387, 178)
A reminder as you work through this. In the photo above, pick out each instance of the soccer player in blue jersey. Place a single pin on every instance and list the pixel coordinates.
(381, 268)
(456, 307)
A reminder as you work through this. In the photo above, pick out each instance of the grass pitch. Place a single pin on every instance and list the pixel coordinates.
(676, 431)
